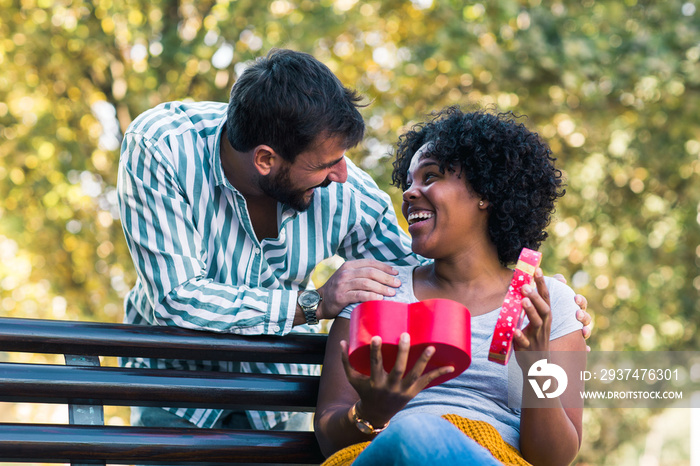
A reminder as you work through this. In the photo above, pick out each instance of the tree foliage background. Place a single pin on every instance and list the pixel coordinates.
(614, 86)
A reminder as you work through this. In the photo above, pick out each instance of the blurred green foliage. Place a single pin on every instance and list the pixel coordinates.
(614, 86)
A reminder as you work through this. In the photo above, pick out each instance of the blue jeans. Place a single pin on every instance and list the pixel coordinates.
(424, 439)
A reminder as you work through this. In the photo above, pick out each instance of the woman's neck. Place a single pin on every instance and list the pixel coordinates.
(474, 278)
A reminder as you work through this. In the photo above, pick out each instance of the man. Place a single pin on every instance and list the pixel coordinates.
(227, 209)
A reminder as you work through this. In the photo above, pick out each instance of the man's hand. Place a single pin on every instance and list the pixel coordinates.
(582, 314)
(354, 282)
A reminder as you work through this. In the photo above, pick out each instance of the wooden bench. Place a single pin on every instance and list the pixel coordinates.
(85, 387)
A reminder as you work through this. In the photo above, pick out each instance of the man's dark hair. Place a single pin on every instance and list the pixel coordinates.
(286, 100)
(504, 163)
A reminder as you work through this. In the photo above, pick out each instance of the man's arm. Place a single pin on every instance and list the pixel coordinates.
(170, 255)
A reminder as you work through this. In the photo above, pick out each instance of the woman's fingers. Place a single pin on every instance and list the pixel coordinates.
(542, 289)
(399, 379)
(532, 313)
(434, 374)
(419, 367)
(535, 301)
(535, 336)
(520, 340)
(416, 380)
(376, 362)
(399, 369)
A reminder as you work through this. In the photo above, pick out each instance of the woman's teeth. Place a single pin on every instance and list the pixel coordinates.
(416, 217)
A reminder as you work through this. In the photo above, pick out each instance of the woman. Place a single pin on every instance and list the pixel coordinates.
(477, 188)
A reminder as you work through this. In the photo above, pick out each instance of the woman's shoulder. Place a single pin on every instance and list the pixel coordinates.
(405, 273)
(404, 293)
(563, 306)
(557, 288)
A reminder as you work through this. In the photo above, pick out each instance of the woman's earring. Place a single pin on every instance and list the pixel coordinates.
(481, 203)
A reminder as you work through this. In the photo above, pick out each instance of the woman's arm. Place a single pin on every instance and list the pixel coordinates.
(550, 428)
(332, 424)
(378, 396)
(550, 432)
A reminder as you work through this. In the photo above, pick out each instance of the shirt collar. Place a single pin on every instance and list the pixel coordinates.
(219, 175)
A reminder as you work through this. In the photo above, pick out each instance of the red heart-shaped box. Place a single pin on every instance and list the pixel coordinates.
(441, 323)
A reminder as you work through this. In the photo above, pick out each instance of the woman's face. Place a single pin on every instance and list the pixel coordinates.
(443, 213)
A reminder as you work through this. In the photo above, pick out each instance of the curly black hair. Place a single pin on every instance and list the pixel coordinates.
(504, 162)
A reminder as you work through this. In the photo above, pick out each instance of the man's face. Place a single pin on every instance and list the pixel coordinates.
(294, 184)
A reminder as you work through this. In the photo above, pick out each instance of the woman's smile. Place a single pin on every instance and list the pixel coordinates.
(419, 216)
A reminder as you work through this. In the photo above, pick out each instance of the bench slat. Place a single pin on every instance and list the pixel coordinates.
(100, 339)
(88, 387)
(42, 383)
(128, 445)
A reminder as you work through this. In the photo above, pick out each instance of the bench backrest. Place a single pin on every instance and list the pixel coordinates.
(85, 387)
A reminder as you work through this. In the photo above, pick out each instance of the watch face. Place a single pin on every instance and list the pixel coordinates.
(309, 298)
(364, 428)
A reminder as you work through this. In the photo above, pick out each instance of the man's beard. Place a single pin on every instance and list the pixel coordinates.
(280, 189)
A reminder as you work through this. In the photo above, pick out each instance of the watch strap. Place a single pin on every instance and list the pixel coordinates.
(364, 425)
(310, 315)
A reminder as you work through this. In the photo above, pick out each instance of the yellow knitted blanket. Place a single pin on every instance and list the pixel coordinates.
(482, 432)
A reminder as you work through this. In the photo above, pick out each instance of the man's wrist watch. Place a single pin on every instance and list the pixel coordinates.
(308, 301)
(363, 425)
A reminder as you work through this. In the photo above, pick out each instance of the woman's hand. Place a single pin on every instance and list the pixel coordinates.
(383, 394)
(535, 336)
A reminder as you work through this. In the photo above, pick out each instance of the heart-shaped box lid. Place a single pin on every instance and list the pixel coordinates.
(441, 323)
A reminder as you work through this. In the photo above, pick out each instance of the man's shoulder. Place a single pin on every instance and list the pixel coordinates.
(176, 117)
(360, 182)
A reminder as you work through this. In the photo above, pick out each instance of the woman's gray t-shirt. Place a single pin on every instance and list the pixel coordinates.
(482, 391)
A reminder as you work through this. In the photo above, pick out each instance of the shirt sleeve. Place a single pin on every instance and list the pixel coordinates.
(564, 309)
(170, 254)
(376, 234)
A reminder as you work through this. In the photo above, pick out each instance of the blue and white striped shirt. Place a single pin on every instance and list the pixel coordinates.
(199, 263)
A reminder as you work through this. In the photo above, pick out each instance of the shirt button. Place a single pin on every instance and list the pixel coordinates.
(277, 328)
(256, 250)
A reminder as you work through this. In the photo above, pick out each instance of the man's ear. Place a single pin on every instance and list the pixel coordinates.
(265, 159)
